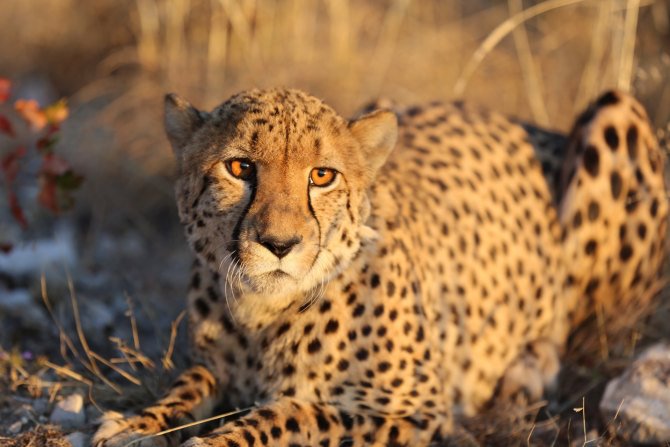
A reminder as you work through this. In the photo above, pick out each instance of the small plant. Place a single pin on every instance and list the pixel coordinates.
(56, 178)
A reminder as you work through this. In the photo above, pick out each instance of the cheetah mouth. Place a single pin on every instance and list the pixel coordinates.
(270, 282)
(278, 274)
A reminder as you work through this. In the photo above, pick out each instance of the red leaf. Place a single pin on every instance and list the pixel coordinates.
(17, 212)
(47, 195)
(30, 111)
(6, 125)
(52, 164)
(5, 89)
(9, 164)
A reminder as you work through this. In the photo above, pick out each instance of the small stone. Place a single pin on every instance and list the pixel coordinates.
(15, 428)
(78, 439)
(638, 401)
(69, 412)
(40, 406)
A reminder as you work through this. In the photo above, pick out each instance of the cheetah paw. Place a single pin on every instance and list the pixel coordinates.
(116, 430)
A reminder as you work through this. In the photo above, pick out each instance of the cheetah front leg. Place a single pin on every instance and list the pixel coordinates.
(192, 397)
(291, 422)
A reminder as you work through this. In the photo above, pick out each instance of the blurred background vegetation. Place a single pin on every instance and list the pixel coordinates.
(113, 60)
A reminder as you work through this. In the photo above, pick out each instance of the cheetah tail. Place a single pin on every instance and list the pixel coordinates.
(613, 211)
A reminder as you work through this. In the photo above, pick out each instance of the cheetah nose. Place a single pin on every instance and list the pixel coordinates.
(279, 247)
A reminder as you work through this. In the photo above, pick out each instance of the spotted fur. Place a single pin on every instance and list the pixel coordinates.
(441, 269)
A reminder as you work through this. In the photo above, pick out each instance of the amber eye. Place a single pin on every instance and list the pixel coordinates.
(322, 176)
(240, 168)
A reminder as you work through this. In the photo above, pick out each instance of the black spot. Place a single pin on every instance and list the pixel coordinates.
(202, 307)
(393, 433)
(275, 432)
(593, 211)
(631, 142)
(577, 219)
(347, 421)
(332, 326)
(631, 201)
(325, 306)
(419, 334)
(187, 395)
(455, 152)
(641, 231)
(390, 288)
(322, 422)
(227, 324)
(586, 116)
(626, 252)
(591, 160)
(591, 246)
(314, 346)
(383, 367)
(611, 137)
(358, 310)
(249, 438)
(653, 210)
(267, 414)
(289, 392)
(592, 286)
(615, 184)
(283, 328)
(607, 99)
(195, 281)
(374, 281)
(343, 365)
(362, 354)
(212, 294)
(414, 111)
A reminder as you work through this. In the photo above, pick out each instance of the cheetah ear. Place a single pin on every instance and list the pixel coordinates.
(181, 121)
(377, 133)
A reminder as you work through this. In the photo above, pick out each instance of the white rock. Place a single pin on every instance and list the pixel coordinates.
(640, 398)
(96, 316)
(69, 412)
(19, 304)
(41, 255)
(79, 439)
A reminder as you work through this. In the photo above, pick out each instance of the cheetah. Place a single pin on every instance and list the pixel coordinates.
(367, 281)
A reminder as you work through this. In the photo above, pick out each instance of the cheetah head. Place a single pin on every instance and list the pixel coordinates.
(272, 190)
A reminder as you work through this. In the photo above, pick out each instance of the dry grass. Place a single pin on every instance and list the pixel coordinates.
(40, 436)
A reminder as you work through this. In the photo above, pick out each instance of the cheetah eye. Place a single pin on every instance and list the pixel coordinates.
(322, 176)
(241, 168)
